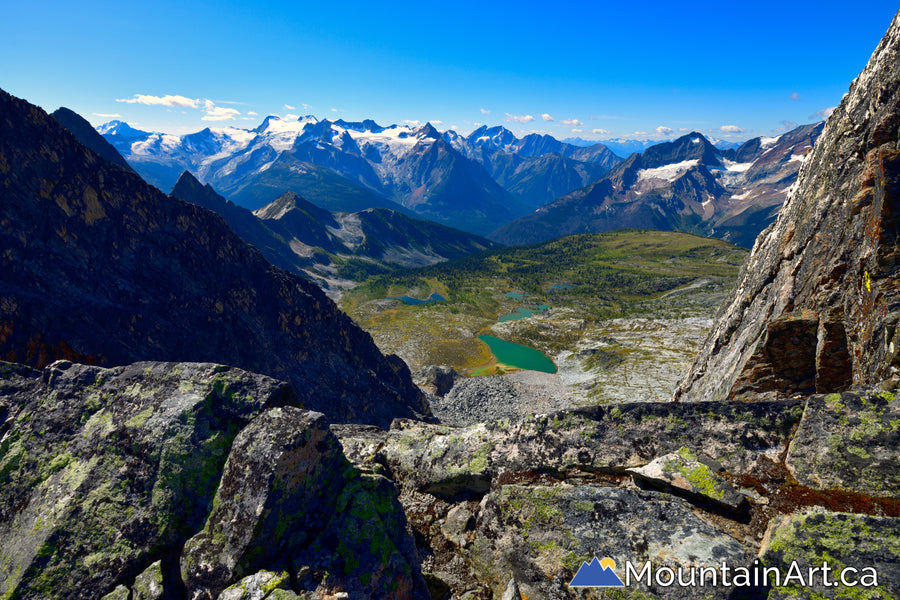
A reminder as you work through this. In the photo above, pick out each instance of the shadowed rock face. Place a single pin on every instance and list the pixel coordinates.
(102, 268)
(818, 303)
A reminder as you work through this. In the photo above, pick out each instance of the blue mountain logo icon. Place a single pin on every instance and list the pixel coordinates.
(597, 573)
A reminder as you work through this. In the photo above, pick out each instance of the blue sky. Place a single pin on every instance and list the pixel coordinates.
(597, 69)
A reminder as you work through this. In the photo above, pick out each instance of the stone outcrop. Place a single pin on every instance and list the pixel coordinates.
(848, 442)
(181, 480)
(867, 544)
(818, 302)
(101, 268)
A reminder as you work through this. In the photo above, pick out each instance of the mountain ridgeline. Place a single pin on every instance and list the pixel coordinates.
(104, 269)
(685, 185)
(334, 249)
(471, 183)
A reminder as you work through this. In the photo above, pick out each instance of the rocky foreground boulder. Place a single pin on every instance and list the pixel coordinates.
(185, 480)
(100, 268)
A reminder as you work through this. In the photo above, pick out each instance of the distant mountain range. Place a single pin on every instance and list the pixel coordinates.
(473, 182)
(684, 185)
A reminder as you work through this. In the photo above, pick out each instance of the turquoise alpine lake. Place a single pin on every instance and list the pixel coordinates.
(435, 297)
(517, 355)
(521, 313)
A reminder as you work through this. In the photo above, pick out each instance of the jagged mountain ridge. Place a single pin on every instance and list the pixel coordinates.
(455, 180)
(684, 185)
(327, 246)
(536, 168)
(412, 170)
(102, 268)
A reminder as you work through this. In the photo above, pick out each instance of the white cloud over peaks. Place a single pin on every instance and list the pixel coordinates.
(547, 117)
(167, 100)
(436, 122)
(289, 107)
(662, 130)
(413, 122)
(108, 115)
(251, 113)
(484, 111)
(823, 114)
(572, 122)
(577, 131)
(218, 113)
(600, 131)
(731, 129)
(290, 117)
(519, 118)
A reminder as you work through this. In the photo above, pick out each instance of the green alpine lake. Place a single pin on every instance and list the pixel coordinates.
(517, 355)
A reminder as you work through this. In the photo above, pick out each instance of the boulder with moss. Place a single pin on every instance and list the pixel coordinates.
(849, 442)
(683, 473)
(109, 473)
(449, 461)
(869, 545)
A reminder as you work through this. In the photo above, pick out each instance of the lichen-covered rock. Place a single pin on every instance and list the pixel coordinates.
(681, 471)
(542, 534)
(108, 470)
(108, 474)
(365, 550)
(257, 586)
(149, 584)
(816, 305)
(119, 593)
(449, 461)
(275, 495)
(841, 540)
(849, 442)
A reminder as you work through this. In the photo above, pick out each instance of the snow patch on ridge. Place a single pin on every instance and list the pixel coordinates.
(668, 172)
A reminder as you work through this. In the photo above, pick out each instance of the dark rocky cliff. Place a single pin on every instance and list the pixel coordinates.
(100, 267)
(818, 303)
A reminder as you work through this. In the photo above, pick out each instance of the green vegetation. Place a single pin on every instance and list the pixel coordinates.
(587, 277)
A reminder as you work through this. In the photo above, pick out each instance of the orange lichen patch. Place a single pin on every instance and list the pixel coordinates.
(39, 353)
(93, 210)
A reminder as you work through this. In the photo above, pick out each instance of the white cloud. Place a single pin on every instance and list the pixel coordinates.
(731, 129)
(218, 113)
(662, 130)
(413, 122)
(600, 131)
(577, 131)
(572, 122)
(454, 127)
(795, 96)
(785, 126)
(683, 129)
(108, 115)
(290, 117)
(167, 100)
(436, 122)
(484, 111)
(547, 117)
(823, 114)
(305, 106)
(521, 119)
(251, 113)
(289, 107)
